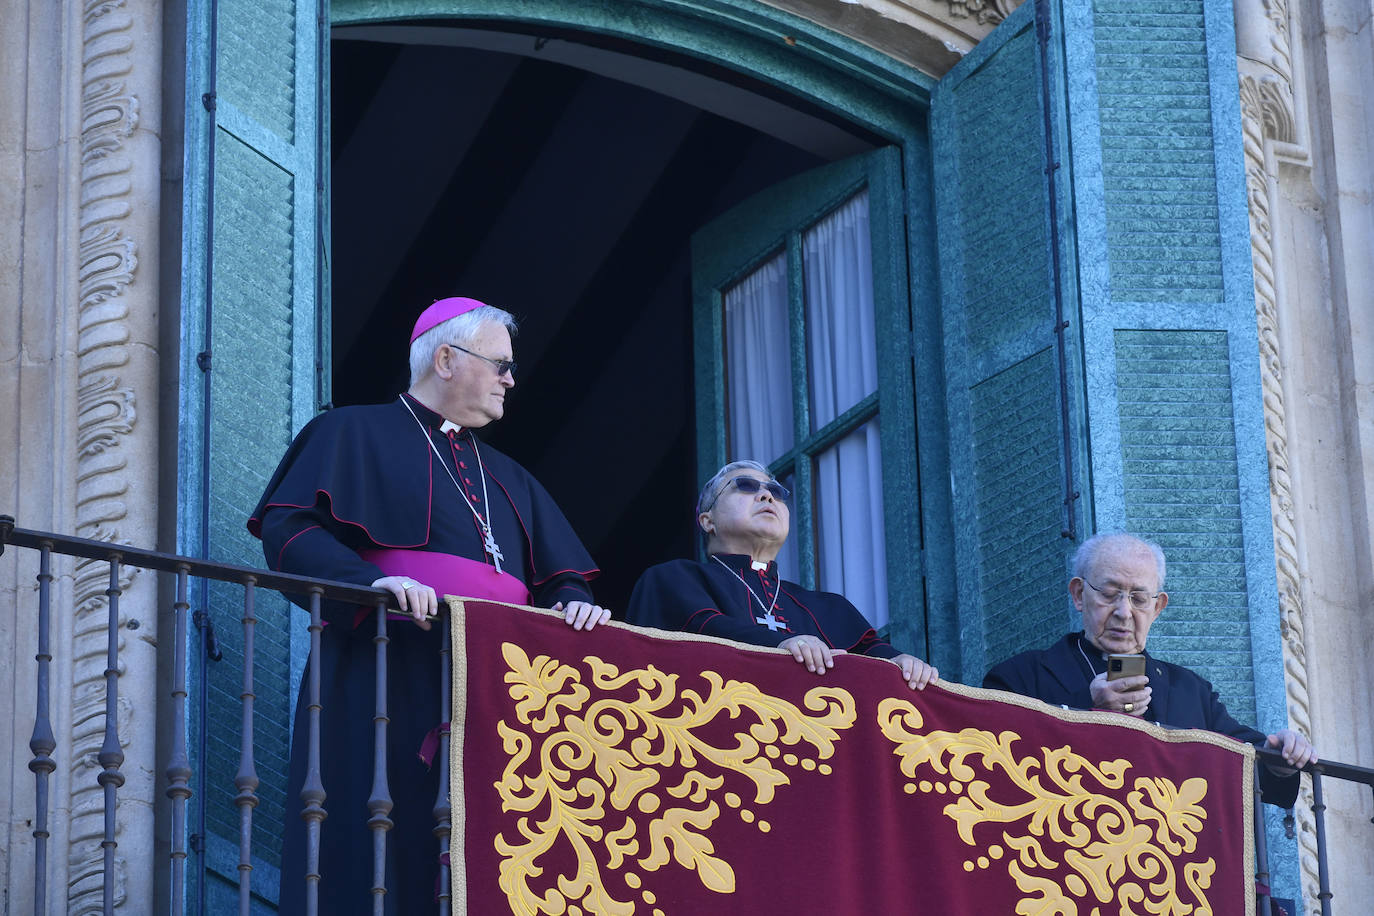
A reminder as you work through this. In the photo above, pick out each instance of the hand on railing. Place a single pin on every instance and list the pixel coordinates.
(1334, 768)
(413, 598)
(1293, 748)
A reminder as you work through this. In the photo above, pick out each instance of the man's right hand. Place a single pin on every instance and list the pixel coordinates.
(1130, 695)
(415, 598)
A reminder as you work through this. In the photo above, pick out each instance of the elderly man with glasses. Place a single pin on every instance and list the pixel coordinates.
(404, 496)
(737, 593)
(1118, 588)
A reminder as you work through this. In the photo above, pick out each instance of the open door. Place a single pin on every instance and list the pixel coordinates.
(803, 362)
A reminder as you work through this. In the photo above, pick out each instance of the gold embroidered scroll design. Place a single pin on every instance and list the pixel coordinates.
(1135, 852)
(590, 755)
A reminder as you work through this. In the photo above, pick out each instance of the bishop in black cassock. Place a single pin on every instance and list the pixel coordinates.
(403, 496)
(737, 594)
(1118, 588)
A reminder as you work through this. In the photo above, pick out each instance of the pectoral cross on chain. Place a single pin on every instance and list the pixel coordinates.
(772, 623)
(492, 548)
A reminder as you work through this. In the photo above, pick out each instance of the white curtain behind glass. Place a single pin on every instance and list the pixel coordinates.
(841, 346)
(759, 375)
(842, 370)
(758, 367)
(851, 554)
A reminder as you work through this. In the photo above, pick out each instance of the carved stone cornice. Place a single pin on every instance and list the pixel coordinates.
(930, 35)
(106, 416)
(984, 12)
(1269, 125)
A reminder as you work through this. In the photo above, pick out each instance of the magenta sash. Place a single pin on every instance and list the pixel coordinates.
(448, 575)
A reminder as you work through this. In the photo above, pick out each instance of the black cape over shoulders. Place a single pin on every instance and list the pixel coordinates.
(715, 598)
(360, 478)
(1180, 698)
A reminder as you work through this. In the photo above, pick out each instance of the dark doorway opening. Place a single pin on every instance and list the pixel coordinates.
(562, 182)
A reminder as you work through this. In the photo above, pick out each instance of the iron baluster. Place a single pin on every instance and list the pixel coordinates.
(1319, 815)
(379, 803)
(179, 766)
(43, 743)
(312, 793)
(246, 780)
(111, 755)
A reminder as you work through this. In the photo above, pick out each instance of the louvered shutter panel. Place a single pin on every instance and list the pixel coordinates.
(253, 170)
(1007, 461)
(1173, 400)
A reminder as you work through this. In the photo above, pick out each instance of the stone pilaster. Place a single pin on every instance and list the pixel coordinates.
(78, 414)
(1307, 318)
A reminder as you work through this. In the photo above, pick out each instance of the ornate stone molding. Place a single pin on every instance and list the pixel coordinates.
(1270, 130)
(930, 35)
(106, 417)
(984, 12)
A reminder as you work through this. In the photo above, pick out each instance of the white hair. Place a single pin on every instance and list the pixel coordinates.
(711, 491)
(457, 331)
(1086, 554)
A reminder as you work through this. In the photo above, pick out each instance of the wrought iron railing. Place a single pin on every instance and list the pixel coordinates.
(43, 743)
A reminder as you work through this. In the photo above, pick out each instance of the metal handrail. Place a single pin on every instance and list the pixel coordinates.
(368, 596)
(200, 569)
(178, 771)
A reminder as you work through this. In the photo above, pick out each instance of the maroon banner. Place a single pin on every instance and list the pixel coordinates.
(636, 771)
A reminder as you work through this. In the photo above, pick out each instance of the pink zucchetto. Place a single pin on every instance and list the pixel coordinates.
(442, 311)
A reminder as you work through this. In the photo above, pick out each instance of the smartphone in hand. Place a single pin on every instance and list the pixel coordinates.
(1119, 666)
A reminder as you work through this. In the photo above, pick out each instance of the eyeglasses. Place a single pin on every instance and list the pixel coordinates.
(502, 365)
(1139, 600)
(751, 485)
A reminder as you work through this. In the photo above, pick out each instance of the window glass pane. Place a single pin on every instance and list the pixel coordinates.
(841, 344)
(789, 560)
(758, 364)
(851, 557)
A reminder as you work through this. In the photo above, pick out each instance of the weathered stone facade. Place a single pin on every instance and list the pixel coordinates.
(82, 158)
(81, 358)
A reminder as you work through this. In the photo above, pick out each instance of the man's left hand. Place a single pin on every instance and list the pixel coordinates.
(582, 615)
(916, 672)
(1295, 748)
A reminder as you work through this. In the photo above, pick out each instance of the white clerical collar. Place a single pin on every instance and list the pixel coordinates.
(449, 425)
(757, 564)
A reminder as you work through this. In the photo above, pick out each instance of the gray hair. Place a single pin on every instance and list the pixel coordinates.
(457, 331)
(1086, 554)
(711, 492)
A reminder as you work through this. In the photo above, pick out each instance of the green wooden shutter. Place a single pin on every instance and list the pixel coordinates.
(1164, 393)
(1173, 401)
(737, 242)
(1002, 355)
(251, 317)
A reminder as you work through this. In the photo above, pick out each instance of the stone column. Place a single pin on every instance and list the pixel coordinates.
(1307, 125)
(80, 100)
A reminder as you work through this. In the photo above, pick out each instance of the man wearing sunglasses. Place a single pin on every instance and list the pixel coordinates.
(1118, 589)
(737, 593)
(404, 496)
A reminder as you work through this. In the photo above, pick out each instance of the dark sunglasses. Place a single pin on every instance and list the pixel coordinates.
(752, 485)
(502, 366)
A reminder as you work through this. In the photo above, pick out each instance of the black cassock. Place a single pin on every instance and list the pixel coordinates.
(363, 478)
(1179, 698)
(727, 597)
